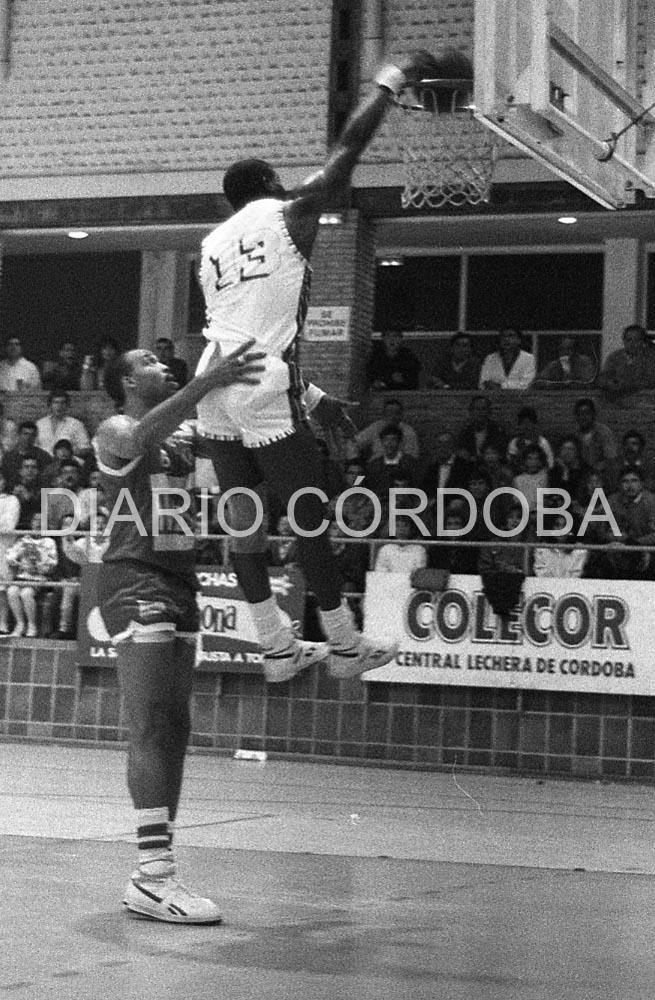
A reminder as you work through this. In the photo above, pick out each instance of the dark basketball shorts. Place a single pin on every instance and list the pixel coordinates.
(137, 600)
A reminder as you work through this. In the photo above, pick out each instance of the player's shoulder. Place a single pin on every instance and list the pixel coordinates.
(116, 437)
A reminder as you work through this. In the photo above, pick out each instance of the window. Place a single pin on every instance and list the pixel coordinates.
(51, 298)
(538, 291)
(421, 293)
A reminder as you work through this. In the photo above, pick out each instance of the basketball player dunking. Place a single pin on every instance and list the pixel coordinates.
(255, 276)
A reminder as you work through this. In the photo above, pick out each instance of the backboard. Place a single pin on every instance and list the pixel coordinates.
(560, 79)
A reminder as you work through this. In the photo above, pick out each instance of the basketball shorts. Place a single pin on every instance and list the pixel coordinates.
(255, 415)
(135, 598)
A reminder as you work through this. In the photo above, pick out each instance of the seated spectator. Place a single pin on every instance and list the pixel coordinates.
(528, 434)
(8, 431)
(366, 443)
(401, 558)
(28, 492)
(460, 370)
(17, 374)
(9, 514)
(89, 548)
(58, 424)
(165, 351)
(285, 551)
(633, 445)
(63, 452)
(454, 558)
(508, 367)
(449, 470)
(63, 375)
(26, 448)
(569, 472)
(479, 430)
(93, 369)
(69, 563)
(493, 462)
(32, 559)
(570, 369)
(555, 561)
(60, 505)
(634, 510)
(631, 368)
(506, 556)
(533, 477)
(592, 493)
(91, 498)
(392, 365)
(478, 487)
(598, 446)
(593, 500)
(392, 467)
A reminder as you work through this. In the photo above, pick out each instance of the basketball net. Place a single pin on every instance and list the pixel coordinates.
(448, 156)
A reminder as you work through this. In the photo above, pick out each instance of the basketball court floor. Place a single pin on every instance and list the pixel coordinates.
(335, 882)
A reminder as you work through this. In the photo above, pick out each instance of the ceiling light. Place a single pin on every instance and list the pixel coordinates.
(77, 234)
(567, 220)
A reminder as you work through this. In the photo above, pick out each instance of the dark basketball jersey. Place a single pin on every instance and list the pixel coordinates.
(137, 496)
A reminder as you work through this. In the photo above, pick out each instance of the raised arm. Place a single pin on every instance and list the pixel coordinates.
(315, 195)
(125, 437)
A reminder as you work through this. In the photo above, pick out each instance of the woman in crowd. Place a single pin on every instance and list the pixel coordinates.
(33, 560)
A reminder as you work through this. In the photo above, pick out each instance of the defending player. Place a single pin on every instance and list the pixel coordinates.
(256, 277)
(147, 599)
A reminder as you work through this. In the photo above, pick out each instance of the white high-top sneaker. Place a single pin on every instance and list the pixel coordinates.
(358, 658)
(290, 656)
(163, 897)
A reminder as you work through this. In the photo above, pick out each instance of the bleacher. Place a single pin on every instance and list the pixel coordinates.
(431, 411)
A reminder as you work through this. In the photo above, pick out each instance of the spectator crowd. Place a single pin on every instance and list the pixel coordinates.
(598, 472)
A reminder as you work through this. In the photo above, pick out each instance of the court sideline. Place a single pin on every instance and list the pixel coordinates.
(334, 882)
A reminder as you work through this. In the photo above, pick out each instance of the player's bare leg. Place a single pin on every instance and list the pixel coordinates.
(155, 678)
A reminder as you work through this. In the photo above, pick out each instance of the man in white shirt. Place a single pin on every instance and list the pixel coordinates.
(17, 374)
(58, 425)
(509, 367)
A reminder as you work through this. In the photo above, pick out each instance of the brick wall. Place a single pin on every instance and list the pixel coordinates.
(89, 407)
(44, 696)
(344, 272)
(164, 85)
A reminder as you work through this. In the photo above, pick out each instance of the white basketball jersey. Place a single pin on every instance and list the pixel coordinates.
(255, 280)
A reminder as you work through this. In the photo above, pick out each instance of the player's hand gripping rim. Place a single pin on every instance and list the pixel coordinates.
(239, 366)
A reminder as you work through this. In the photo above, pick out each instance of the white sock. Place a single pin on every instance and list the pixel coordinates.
(339, 627)
(271, 631)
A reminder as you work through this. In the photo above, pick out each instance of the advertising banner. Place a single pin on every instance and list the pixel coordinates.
(227, 637)
(566, 635)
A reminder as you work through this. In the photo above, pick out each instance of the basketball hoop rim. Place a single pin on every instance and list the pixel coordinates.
(446, 83)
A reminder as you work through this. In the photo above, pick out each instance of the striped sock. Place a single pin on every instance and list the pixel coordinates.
(154, 841)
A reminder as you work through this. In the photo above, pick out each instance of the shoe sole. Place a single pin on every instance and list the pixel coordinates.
(347, 666)
(171, 918)
(286, 669)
